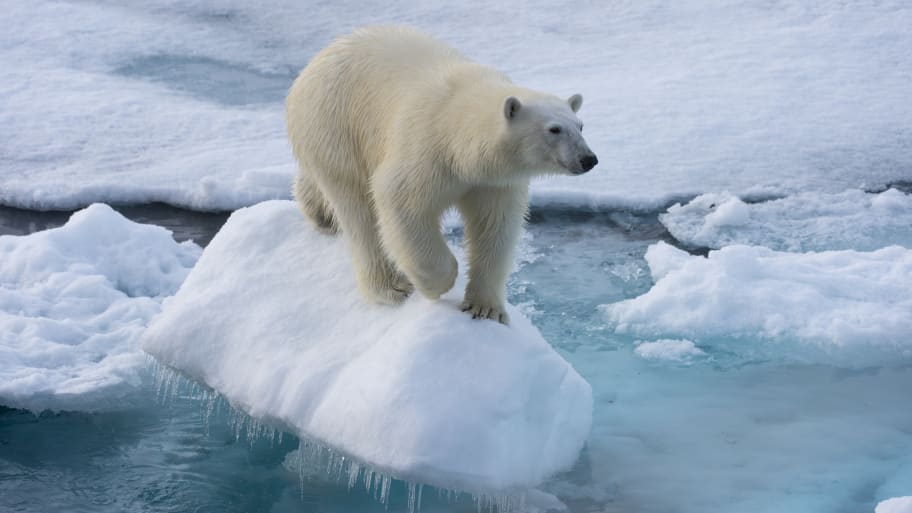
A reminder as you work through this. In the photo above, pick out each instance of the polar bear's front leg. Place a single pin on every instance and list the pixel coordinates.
(493, 219)
(418, 248)
(409, 224)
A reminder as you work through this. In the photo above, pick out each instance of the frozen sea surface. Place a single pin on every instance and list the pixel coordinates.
(808, 221)
(181, 102)
(713, 432)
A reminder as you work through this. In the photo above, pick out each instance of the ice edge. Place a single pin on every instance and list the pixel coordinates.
(170, 384)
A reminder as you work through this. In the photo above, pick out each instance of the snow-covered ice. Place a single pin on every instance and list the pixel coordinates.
(270, 318)
(181, 102)
(848, 307)
(809, 221)
(895, 505)
(73, 302)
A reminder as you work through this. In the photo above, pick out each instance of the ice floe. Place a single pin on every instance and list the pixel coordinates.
(73, 302)
(809, 221)
(848, 307)
(271, 320)
(669, 350)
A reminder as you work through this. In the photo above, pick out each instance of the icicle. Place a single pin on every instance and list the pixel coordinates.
(411, 497)
(385, 488)
(354, 470)
(414, 497)
(300, 463)
(170, 385)
(369, 476)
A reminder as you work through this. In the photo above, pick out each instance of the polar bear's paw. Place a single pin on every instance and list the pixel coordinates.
(388, 296)
(438, 277)
(390, 290)
(402, 284)
(485, 310)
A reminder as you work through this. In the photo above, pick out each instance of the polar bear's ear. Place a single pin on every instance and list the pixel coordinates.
(575, 101)
(511, 106)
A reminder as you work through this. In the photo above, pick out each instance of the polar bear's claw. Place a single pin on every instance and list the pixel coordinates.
(390, 296)
(402, 284)
(481, 311)
(392, 290)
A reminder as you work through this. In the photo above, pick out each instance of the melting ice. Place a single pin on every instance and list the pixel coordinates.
(848, 306)
(809, 221)
(271, 319)
(73, 302)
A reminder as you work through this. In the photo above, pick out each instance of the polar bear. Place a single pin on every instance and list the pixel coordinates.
(391, 128)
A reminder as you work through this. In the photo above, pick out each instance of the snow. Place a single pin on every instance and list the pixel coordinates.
(844, 307)
(271, 320)
(181, 102)
(668, 350)
(809, 221)
(895, 505)
(73, 302)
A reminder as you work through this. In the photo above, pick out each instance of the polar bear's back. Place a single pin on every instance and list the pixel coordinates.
(402, 51)
(341, 108)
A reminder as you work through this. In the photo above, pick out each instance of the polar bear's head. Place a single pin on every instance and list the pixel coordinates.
(548, 135)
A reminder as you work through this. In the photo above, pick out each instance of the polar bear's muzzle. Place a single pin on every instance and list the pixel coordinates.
(584, 165)
(588, 162)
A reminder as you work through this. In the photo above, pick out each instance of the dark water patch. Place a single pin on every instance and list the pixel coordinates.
(184, 224)
(17, 221)
(210, 79)
(901, 185)
(635, 226)
(202, 226)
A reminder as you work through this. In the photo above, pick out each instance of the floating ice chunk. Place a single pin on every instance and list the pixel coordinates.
(731, 213)
(270, 318)
(898, 485)
(895, 505)
(804, 222)
(73, 301)
(848, 306)
(665, 258)
(670, 350)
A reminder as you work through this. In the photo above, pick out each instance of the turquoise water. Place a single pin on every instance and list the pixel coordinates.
(723, 434)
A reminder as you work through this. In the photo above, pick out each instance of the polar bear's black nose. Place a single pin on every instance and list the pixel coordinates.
(588, 162)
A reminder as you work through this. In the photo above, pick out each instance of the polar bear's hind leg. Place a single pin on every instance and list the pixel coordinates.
(311, 201)
(378, 278)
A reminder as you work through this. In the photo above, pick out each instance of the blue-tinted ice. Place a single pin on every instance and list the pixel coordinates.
(210, 79)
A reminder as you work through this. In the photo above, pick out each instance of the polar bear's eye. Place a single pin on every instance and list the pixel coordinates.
(555, 129)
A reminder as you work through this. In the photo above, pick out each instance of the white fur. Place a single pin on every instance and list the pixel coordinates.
(390, 128)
